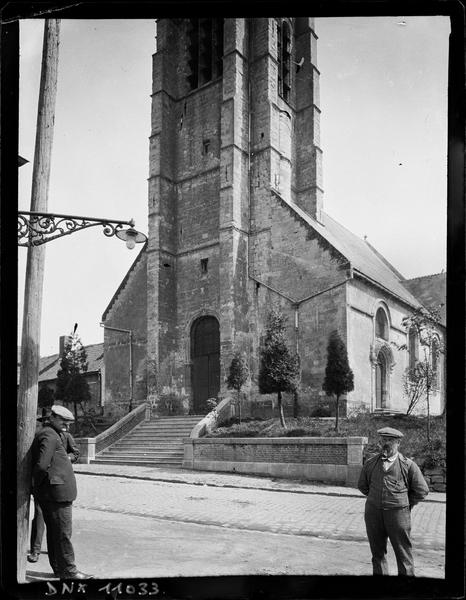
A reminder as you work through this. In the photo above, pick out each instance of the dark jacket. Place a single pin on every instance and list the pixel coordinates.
(52, 474)
(70, 446)
(409, 490)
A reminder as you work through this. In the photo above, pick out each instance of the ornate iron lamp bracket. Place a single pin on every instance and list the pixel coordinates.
(35, 228)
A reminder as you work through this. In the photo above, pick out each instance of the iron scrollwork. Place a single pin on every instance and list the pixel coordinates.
(35, 228)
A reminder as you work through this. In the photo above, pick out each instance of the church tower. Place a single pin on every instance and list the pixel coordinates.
(235, 125)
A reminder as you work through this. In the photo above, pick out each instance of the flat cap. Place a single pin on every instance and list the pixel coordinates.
(390, 432)
(62, 412)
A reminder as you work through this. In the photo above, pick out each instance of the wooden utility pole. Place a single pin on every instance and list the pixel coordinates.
(30, 340)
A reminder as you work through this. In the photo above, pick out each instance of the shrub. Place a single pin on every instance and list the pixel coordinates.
(171, 403)
(115, 412)
(414, 444)
(321, 411)
(300, 432)
(237, 430)
(207, 406)
(211, 403)
(235, 421)
(433, 453)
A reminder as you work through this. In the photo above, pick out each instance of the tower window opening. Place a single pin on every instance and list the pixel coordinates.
(284, 59)
(205, 47)
(205, 146)
(204, 265)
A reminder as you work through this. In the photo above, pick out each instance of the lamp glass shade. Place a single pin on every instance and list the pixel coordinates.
(130, 242)
(131, 237)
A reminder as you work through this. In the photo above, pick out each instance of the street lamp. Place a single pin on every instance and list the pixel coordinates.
(36, 228)
(131, 237)
(128, 331)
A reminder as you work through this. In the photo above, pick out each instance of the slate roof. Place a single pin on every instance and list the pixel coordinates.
(431, 291)
(362, 257)
(49, 365)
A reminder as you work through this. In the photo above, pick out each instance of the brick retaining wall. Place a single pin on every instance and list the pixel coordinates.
(331, 460)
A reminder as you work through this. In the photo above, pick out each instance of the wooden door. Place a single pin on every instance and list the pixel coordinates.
(205, 360)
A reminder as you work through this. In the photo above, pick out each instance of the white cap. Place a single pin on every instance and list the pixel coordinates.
(61, 411)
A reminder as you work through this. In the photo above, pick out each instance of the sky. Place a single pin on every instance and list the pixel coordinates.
(383, 96)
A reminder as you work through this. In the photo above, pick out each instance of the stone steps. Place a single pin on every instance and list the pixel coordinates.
(138, 462)
(155, 442)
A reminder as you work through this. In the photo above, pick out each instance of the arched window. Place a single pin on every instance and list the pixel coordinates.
(413, 348)
(435, 349)
(381, 324)
(284, 59)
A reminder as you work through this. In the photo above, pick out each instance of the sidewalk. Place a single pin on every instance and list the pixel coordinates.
(226, 480)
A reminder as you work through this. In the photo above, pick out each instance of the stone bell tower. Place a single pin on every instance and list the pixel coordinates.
(235, 119)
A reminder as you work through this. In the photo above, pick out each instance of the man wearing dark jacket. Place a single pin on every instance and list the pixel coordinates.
(54, 487)
(38, 525)
(393, 484)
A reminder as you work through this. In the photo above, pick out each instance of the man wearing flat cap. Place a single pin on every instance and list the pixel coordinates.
(393, 484)
(54, 487)
(38, 525)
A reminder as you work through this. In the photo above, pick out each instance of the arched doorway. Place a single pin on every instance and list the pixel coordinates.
(205, 361)
(381, 381)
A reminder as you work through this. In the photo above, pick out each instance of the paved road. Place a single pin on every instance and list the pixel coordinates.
(316, 515)
(126, 527)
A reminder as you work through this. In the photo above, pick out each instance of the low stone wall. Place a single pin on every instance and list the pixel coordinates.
(436, 478)
(330, 460)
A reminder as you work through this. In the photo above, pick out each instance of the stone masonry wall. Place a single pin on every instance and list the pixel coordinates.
(291, 452)
(291, 258)
(436, 478)
(333, 460)
(127, 311)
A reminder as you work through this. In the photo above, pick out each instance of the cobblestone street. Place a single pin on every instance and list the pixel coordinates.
(134, 527)
(314, 515)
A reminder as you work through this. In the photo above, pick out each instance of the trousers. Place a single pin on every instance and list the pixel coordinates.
(395, 525)
(37, 528)
(58, 521)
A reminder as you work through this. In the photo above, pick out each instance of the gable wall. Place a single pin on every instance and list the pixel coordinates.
(291, 258)
(129, 311)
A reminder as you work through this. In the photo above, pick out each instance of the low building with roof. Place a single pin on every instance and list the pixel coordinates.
(49, 366)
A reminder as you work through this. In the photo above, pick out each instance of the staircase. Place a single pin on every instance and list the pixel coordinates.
(158, 442)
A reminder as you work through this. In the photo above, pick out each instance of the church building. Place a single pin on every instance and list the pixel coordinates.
(237, 226)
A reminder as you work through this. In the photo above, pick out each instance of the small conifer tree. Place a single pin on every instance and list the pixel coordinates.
(279, 368)
(239, 374)
(339, 377)
(45, 397)
(72, 387)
